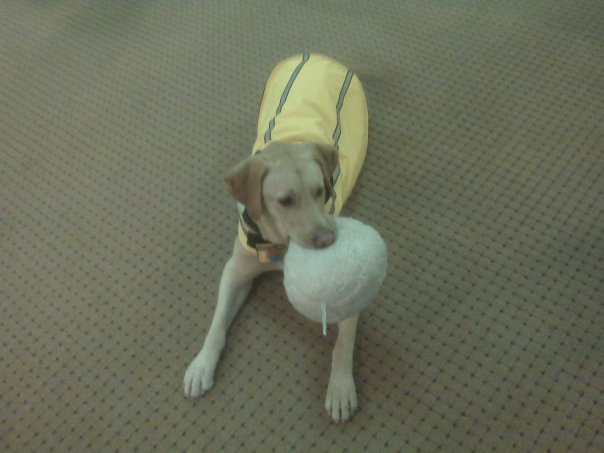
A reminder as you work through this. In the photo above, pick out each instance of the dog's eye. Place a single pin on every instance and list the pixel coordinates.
(286, 201)
(319, 192)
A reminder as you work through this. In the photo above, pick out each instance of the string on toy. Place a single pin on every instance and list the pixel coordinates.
(324, 319)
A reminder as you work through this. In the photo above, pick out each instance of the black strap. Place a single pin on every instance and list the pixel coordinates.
(251, 230)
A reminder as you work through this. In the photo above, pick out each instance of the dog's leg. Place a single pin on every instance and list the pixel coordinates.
(341, 399)
(235, 284)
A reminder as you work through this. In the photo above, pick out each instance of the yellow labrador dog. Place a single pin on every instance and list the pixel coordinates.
(312, 138)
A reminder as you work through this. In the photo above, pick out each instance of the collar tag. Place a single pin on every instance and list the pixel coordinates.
(271, 253)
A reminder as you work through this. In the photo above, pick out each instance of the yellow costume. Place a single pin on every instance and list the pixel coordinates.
(311, 97)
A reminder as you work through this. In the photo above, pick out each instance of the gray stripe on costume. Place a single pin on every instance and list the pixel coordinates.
(338, 130)
(271, 125)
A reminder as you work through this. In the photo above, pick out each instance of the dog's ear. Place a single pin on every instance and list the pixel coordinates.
(244, 182)
(327, 158)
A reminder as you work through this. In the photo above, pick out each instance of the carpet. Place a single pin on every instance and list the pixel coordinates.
(484, 174)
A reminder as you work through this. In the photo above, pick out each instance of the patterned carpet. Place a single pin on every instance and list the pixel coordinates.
(485, 175)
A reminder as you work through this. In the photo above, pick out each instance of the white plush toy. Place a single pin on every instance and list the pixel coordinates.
(332, 284)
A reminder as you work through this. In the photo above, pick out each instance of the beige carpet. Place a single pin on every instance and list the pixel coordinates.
(485, 175)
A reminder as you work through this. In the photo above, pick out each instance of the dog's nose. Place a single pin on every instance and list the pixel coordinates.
(324, 239)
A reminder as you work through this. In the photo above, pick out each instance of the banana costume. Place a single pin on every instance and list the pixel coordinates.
(311, 97)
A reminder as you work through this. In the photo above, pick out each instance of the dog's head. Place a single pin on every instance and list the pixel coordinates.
(284, 187)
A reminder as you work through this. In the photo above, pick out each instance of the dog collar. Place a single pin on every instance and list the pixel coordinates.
(266, 251)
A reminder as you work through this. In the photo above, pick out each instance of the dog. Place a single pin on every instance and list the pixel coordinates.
(311, 144)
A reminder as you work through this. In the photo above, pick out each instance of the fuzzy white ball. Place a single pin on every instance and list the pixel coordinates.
(345, 276)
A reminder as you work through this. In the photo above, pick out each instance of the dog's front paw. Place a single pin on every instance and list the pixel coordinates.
(199, 377)
(341, 401)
